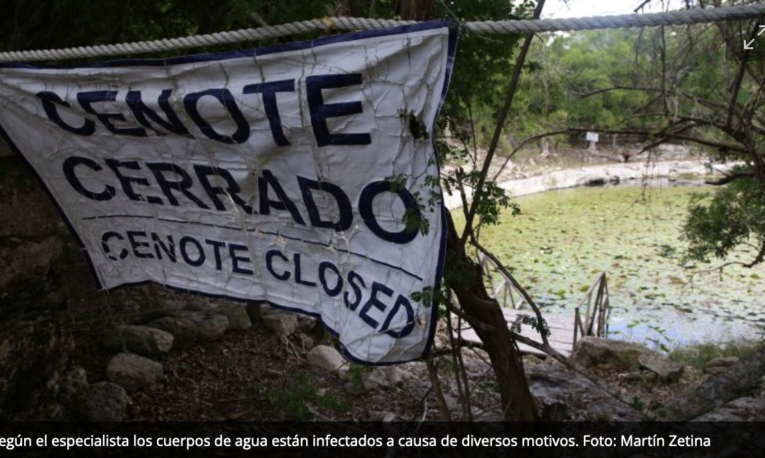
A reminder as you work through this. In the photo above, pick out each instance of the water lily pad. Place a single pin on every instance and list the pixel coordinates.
(570, 236)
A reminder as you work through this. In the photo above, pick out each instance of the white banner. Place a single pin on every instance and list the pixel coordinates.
(285, 174)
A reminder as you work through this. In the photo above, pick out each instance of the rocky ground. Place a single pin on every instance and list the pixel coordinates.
(259, 363)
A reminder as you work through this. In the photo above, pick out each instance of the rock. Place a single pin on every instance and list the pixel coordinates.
(453, 404)
(594, 351)
(281, 323)
(690, 377)
(170, 306)
(556, 385)
(33, 355)
(397, 375)
(184, 330)
(492, 417)
(27, 211)
(104, 401)
(27, 260)
(238, 317)
(373, 380)
(193, 326)
(715, 371)
(306, 323)
(200, 306)
(384, 377)
(209, 325)
(592, 180)
(741, 409)
(143, 309)
(762, 384)
(254, 311)
(718, 365)
(531, 359)
(440, 342)
(72, 382)
(143, 340)
(326, 357)
(748, 403)
(719, 415)
(666, 369)
(643, 376)
(382, 415)
(133, 372)
(739, 380)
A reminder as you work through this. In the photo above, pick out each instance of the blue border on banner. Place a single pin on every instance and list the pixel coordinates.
(430, 25)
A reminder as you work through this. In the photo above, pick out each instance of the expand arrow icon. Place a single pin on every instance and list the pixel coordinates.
(748, 45)
(762, 29)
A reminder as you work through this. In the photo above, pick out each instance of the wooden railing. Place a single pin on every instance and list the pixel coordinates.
(596, 310)
(590, 316)
(503, 290)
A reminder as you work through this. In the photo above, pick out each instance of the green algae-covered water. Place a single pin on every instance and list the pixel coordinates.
(563, 239)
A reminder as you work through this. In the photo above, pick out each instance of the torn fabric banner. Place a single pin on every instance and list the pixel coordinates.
(303, 175)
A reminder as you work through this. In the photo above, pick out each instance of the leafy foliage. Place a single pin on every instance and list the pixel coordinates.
(734, 215)
(294, 399)
(540, 327)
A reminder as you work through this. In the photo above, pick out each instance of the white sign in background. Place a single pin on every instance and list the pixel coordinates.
(258, 175)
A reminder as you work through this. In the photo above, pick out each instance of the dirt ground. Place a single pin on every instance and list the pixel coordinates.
(256, 375)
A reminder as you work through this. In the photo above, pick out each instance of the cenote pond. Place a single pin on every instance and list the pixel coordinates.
(563, 239)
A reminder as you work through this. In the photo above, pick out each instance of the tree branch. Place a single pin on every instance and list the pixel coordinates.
(708, 103)
(526, 296)
(729, 178)
(524, 143)
(511, 89)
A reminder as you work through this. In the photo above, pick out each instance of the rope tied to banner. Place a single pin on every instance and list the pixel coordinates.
(680, 17)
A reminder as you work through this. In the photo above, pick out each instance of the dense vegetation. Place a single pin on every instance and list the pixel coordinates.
(694, 85)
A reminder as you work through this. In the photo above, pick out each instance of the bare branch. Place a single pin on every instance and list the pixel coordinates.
(556, 355)
(701, 141)
(436, 384)
(526, 142)
(707, 103)
(521, 289)
(736, 86)
(758, 259)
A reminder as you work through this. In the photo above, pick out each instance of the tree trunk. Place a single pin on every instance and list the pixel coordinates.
(478, 306)
(480, 309)
(544, 148)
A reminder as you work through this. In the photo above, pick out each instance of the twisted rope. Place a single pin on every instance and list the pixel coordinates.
(681, 17)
